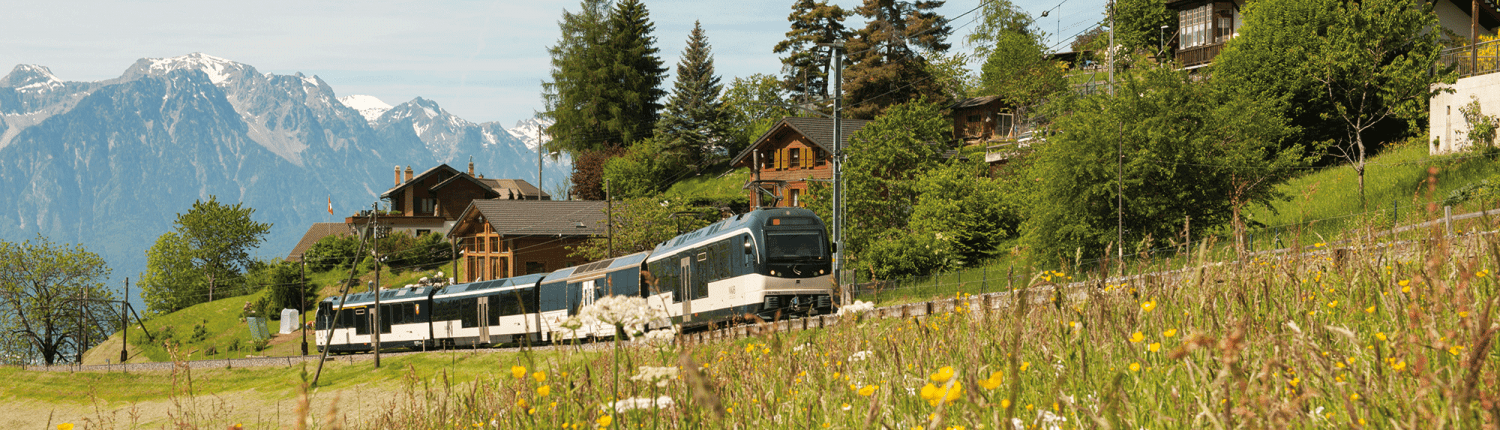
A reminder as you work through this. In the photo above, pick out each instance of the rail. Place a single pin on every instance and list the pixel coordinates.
(1472, 60)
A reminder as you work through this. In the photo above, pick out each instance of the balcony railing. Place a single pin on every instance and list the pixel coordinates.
(1473, 60)
(1199, 55)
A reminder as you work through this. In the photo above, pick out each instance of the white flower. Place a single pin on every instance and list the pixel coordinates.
(662, 402)
(660, 375)
(572, 324)
(661, 337)
(859, 306)
(801, 347)
(858, 356)
(1049, 421)
(630, 313)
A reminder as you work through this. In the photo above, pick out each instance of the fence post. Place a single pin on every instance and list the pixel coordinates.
(984, 280)
(1394, 208)
(1448, 218)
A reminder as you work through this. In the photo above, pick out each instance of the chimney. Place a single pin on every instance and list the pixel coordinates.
(408, 173)
(398, 176)
(481, 176)
(471, 166)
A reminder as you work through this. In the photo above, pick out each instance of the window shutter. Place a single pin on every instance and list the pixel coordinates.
(807, 158)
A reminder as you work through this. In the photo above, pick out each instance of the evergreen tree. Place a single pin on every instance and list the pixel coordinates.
(580, 115)
(806, 65)
(636, 73)
(693, 120)
(886, 67)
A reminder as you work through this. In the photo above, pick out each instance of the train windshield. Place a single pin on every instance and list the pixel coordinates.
(796, 245)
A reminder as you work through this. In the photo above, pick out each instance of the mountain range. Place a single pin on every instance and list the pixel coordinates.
(109, 164)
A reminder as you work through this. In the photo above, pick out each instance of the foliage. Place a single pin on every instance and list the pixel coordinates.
(806, 65)
(751, 105)
(1158, 118)
(1481, 127)
(401, 252)
(330, 252)
(1018, 71)
(1483, 190)
(886, 67)
(42, 309)
(953, 76)
(692, 126)
(997, 18)
(637, 173)
(212, 240)
(887, 158)
(1139, 25)
(639, 224)
(1376, 63)
(960, 217)
(588, 172)
(605, 78)
(1245, 136)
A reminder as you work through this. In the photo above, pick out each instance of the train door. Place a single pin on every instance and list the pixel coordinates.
(589, 292)
(687, 288)
(484, 320)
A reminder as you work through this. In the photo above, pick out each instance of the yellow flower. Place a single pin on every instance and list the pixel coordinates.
(1333, 304)
(1319, 245)
(1370, 310)
(1405, 285)
(65, 426)
(935, 395)
(1455, 349)
(1169, 333)
(518, 372)
(1004, 403)
(993, 381)
(539, 376)
(1148, 305)
(1399, 366)
(1024, 365)
(1137, 337)
(1135, 367)
(1463, 314)
(544, 390)
(604, 421)
(868, 390)
(1354, 396)
(1380, 335)
(1294, 382)
(942, 375)
(1155, 346)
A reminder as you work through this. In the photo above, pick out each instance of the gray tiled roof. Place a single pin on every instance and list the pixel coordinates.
(316, 232)
(542, 217)
(972, 102)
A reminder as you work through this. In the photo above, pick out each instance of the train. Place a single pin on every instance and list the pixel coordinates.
(769, 263)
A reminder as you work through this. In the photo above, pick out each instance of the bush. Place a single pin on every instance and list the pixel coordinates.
(331, 252)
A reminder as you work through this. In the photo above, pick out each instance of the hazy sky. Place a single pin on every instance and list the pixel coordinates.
(481, 60)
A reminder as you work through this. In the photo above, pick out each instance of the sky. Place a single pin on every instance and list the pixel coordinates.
(481, 60)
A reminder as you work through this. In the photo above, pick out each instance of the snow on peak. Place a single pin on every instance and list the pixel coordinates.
(216, 68)
(368, 106)
(530, 130)
(30, 76)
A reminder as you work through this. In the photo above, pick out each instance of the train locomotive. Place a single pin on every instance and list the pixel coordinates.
(771, 263)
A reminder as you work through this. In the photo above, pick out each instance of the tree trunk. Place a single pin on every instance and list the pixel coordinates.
(1359, 168)
(1239, 227)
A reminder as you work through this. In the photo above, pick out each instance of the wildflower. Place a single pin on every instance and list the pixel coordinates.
(1398, 366)
(521, 403)
(1148, 305)
(1154, 347)
(1169, 333)
(1370, 310)
(660, 375)
(1482, 273)
(847, 407)
(1463, 314)
(662, 402)
(1024, 365)
(604, 421)
(518, 372)
(1137, 337)
(539, 376)
(942, 375)
(858, 356)
(1455, 349)
(1354, 396)
(936, 396)
(1381, 336)
(65, 426)
(1333, 304)
(1405, 285)
(1293, 382)
(993, 381)
(1135, 367)
(868, 390)
(1004, 403)
(629, 313)
(663, 337)
(544, 390)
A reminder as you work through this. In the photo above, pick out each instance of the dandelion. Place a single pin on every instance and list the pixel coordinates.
(868, 390)
(1135, 367)
(1399, 366)
(1455, 350)
(1333, 304)
(1405, 285)
(942, 375)
(1137, 337)
(1381, 336)
(936, 396)
(521, 403)
(1463, 314)
(1354, 396)
(65, 426)
(1148, 305)
(604, 421)
(539, 376)
(993, 381)
(1169, 333)
(544, 390)
(1370, 310)
(1154, 347)
(518, 372)
(1293, 382)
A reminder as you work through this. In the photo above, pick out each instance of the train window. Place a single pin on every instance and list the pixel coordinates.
(469, 312)
(794, 245)
(703, 256)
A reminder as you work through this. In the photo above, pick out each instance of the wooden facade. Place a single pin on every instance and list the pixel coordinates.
(501, 238)
(983, 119)
(1203, 27)
(793, 152)
(430, 202)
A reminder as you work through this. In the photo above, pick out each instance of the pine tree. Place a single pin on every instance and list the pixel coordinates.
(693, 120)
(637, 72)
(806, 65)
(886, 67)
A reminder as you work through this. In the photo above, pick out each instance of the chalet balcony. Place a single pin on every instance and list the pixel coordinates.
(1199, 55)
(1472, 60)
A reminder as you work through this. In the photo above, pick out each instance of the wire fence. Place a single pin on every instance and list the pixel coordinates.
(1472, 60)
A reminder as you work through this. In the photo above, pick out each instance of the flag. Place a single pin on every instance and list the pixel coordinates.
(330, 205)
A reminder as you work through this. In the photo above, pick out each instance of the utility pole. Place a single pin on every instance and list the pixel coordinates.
(609, 218)
(124, 321)
(1119, 155)
(302, 304)
(375, 313)
(538, 164)
(1473, 38)
(836, 49)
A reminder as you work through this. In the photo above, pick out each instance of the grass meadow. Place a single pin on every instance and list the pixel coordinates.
(1364, 336)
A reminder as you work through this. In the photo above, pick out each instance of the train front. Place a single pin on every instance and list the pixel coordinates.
(796, 264)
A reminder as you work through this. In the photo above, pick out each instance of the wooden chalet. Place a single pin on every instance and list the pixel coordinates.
(430, 202)
(983, 119)
(792, 152)
(501, 238)
(1203, 27)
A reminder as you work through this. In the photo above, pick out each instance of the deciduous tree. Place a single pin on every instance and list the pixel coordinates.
(214, 240)
(52, 297)
(640, 224)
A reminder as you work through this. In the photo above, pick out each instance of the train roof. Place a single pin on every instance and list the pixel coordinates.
(757, 217)
(490, 285)
(609, 265)
(560, 274)
(391, 295)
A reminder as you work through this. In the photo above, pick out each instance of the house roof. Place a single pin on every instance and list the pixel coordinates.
(316, 232)
(974, 102)
(538, 217)
(462, 177)
(818, 130)
(520, 186)
(418, 179)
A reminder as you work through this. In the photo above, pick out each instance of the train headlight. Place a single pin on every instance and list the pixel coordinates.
(773, 273)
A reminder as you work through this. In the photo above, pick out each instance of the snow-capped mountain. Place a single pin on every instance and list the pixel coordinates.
(368, 106)
(110, 163)
(531, 131)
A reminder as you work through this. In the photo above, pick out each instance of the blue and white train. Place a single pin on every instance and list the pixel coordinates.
(771, 263)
